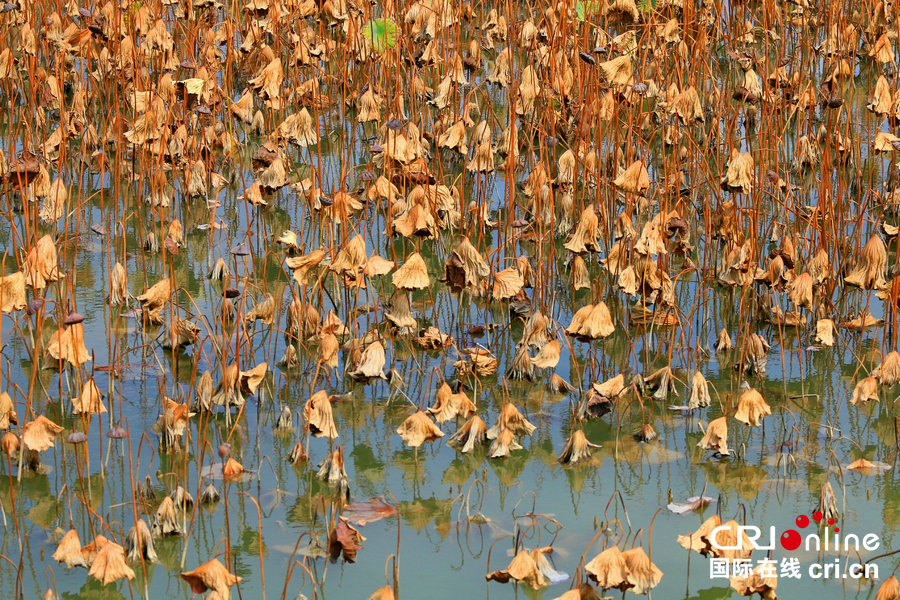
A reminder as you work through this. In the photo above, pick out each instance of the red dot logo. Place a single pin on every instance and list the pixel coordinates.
(817, 516)
(802, 521)
(790, 540)
(831, 521)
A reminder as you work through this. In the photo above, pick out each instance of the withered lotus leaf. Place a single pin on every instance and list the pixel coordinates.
(558, 385)
(592, 321)
(109, 565)
(399, 312)
(432, 338)
(756, 582)
(351, 258)
(580, 276)
(828, 505)
(472, 433)
(862, 320)
(888, 372)
(417, 429)
(331, 470)
(507, 283)
(9, 443)
(139, 543)
(413, 274)
(884, 141)
(345, 540)
(866, 390)
(864, 466)
(38, 434)
(548, 357)
(504, 443)
(251, 380)
(889, 589)
(232, 469)
(521, 367)
(297, 454)
(716, 436)
(41, 265)
(67, 343)
(7, 412)
(174, 416)
(608, 568)
(90, 400)
(68, 552)
(825, 332)
(91, 550)
(585, 236)
(385, 592)
(377, 266)
(751, 408)
(12, 292)
(617, 72)
(577, 448)
(510, 418)
(523, 569)
(329, 346)
(643, 575)
(212, 575)
(319, 416)
(477, 360)
(263, 311)
(448, 405)
(869, 270)
(739, 173)
(700, 542)
(371, 363)
(699, 391)
(166, 521)
(635, 179)
(157, 296)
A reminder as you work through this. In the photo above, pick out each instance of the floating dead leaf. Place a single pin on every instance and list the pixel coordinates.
(7, 412)
(368, 511)
(865, 467)
(694, 503)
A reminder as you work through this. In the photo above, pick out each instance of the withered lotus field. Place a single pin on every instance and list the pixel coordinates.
(342, 299)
